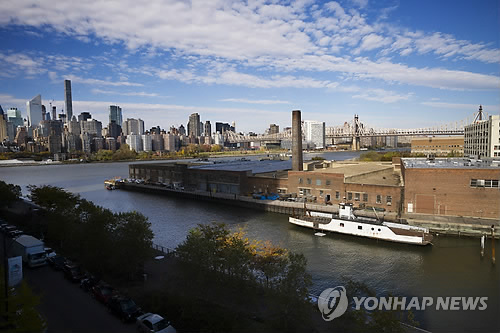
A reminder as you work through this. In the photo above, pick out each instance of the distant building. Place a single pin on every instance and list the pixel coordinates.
(194, 125)
(115, 114)
(438, 145)
(74, 126)
(170, 142)
(84, 116)
(68, 101)
(208, 128)
(147, 142)
(34, 109)
(482, 138)
(91, 126)
(157, 140)
(111, 143)
(134, 141)
(314, 132)
(14, 116)
(223, 127)
(274, 129)
(182, 130)
(135, 126)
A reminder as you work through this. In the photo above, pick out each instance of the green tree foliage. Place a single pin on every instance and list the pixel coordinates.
(104, 155)
(103, 241)
(216, 149)
(215, 247)
(8, 193)
(22, 315)
(124, 153)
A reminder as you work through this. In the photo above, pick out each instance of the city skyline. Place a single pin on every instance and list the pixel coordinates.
(401, 65)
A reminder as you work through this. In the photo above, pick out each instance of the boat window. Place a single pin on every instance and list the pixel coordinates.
(373, 229)
(378, 229)
(360, 227)
(341, 224)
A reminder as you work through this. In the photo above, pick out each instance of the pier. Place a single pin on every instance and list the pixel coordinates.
(446, 225)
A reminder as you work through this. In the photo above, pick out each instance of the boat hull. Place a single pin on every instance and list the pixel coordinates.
(367, 230)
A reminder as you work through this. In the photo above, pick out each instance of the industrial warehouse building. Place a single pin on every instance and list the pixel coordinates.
(441, 146)
(451, 187)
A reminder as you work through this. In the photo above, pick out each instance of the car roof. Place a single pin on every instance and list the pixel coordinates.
(154, 318)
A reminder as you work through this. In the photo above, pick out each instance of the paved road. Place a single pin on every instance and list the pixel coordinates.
(66, 307)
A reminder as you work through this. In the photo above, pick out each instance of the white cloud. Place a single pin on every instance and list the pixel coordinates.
(99, 82)
(131, 93)
(249, 101)
(380, 95)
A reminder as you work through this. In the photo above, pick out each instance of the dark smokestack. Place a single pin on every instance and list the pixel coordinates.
(296, 141)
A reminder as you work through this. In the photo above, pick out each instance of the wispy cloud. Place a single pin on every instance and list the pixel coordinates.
(99, 82)
(131, 93)
(249, 101)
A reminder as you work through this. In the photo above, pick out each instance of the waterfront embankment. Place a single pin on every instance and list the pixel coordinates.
(448, 225)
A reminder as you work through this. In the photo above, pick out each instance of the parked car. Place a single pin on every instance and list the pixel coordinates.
(124, 308)
(8, 228)
(88, 282)
(72, 272)
(15, 233)
(57, 262)
(102, 292)
(151, 322)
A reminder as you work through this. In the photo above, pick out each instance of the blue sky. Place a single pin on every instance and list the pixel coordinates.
(398, 64)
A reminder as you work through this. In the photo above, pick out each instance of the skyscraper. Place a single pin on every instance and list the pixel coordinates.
(133, 126)
(194, 125)
(115, 114)
(208, 128)
(14, 116)
(67, 100)
(34, 109)
(314, 132)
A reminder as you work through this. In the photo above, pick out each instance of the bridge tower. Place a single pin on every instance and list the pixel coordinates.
(356, 140)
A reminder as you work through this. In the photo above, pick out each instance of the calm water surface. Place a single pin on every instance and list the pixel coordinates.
(452, 267)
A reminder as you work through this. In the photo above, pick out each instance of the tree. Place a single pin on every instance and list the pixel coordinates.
(22, 315)
(9, 193)
(104, 155)
(271, 261)
(215, 148)
(132, 242)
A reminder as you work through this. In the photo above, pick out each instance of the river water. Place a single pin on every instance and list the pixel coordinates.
(451, 267)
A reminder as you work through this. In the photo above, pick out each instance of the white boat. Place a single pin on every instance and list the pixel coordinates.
(347, 223)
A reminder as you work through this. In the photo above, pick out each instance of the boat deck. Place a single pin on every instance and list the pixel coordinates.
(405, 232)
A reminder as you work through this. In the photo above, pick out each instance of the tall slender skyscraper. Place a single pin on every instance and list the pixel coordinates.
(194, 125)
(34, 109)
(115, 114)
(67, 100)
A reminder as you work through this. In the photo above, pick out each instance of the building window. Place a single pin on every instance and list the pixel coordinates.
(349, 195)
(337, 195)
(379, 198)
(356, 196)
(282, 190)
(318, 182)
(321, 193)
(308, 181)
(328, 182)
(365, 197)
(389, 200)
(300, 180)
